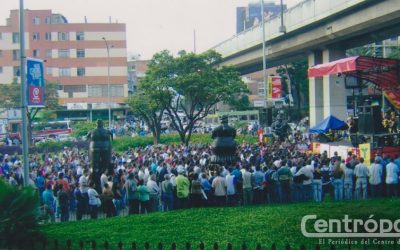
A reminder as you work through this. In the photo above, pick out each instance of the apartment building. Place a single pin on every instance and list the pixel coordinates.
(75, 56)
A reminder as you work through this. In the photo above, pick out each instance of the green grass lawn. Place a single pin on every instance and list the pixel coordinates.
(266, 224)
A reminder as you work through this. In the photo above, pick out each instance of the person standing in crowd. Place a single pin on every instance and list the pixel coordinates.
(48, 203)
(182, 189)
(338, 174)
(154, 192)
(132, 194)
(348, 182)
(247, 187)
(219, 186)
(258, 189)
(284, 177)
(94, 201)
(63, 204)
(327, 187)
(167, 193)
(317, 184)
(83, 187)
(144, 197)
(196, 195)
(361, 173)
(392, 178)
(375, 178)
(107, 195)
(231, 188)
(206, 186)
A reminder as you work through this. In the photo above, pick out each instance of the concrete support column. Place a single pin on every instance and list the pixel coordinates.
(334, 91)
(315, 91)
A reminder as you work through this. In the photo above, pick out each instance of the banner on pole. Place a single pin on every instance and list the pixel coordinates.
(274, 87)
(35, 82)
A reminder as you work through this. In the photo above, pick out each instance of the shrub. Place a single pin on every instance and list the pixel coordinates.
(18, 213)
(123, 143)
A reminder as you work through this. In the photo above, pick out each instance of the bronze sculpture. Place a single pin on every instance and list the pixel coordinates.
(100, 152)
(224, 145)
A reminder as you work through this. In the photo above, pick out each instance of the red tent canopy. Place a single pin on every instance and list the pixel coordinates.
(384, 73)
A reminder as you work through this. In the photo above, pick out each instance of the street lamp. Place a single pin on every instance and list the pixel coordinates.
(108, 82)
(263, 53)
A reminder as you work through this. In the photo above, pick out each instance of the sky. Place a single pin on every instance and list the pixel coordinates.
(152, 25)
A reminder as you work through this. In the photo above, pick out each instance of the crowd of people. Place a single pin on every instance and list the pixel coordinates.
(168, 177)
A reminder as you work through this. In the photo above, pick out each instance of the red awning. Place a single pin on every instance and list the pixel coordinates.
(384, 73)
(335, 67)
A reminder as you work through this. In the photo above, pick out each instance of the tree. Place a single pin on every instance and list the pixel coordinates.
(10, 97)
(296, 73)
(189, 85)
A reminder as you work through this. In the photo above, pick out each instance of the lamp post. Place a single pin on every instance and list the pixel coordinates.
(263, 53)
(108, 82)
(25, 149)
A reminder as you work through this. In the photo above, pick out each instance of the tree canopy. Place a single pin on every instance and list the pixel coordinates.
(10, 97)
(186, 87)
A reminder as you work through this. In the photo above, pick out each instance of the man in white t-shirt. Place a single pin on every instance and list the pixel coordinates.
(392, 178)
(361, 172)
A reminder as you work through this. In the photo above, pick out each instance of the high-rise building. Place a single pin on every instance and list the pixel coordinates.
(249, 16)
(136, 70)
(75, 56)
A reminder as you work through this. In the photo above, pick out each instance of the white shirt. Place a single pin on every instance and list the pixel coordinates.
(230, 186)
(83, 184)
(92, 196)
(392, 173)
(153, 187)
(375, 174)
(361, 171)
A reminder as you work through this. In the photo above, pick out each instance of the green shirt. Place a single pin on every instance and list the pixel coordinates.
(182, 186)
(143, 193)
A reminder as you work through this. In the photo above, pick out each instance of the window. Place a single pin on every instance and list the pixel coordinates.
(63, 53)
(47, 20)
(49, 71)
(80, 36)
(102, 90)
(36, 53)
(74, 88)
(49, 53)
(117, 90)
(47, 36)
(36, 20)
(63, 36)
(1, 36)
(1, 53)
(80, 71)
(35, 36)
(16, 71)
(16, 55)
(15, 37)
(1, 70)
(64, 72)
(80, 53)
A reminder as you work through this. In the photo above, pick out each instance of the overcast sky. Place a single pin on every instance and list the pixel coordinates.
(152, 25)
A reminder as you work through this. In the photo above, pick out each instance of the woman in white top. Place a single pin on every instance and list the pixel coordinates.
(94, 201)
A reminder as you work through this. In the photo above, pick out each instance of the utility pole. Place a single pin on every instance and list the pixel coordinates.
(25, 149)
(263, 53)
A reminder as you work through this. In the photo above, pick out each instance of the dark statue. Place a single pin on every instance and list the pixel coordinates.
(100, 152)
(224, 145)
(280, 127)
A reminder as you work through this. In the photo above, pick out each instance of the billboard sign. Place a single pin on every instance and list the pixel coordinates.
(35, 82)
(274, 87)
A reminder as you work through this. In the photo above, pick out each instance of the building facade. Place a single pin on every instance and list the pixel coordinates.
(136, 70)
(75, 56)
